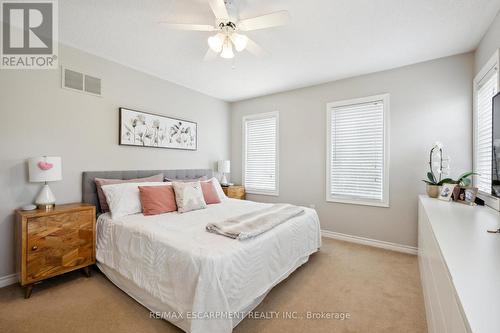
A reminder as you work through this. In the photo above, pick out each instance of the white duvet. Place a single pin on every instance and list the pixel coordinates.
(207, 279)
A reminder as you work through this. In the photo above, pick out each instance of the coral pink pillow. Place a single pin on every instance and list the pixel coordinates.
(99, 182)
(157, 199)
(210, 192)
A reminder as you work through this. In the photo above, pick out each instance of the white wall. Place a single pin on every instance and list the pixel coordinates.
(37, 117)
(488, 45)
(429, 101)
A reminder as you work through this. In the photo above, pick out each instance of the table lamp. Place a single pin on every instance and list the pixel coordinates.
(224, 166)
(45, 169)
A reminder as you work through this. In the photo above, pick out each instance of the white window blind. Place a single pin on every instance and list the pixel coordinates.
(357, 169)
(260, 166)
(486, 88)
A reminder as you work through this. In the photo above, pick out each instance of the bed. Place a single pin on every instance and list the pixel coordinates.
(199, 281)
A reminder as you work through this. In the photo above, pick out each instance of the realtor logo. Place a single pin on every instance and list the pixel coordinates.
(29, 34)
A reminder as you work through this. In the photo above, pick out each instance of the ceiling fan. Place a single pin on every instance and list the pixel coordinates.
(228, 30)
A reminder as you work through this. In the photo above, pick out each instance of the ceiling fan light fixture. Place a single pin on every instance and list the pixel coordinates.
(240, 41)
(227, 50)
(226, 27)
(216, 42)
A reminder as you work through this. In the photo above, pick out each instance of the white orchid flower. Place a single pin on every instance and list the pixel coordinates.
(438, 144)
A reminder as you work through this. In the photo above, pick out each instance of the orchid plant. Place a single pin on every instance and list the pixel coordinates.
(440, 166)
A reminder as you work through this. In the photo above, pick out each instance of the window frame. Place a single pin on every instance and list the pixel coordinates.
(493, 62)
(273, 114)
(385, 202)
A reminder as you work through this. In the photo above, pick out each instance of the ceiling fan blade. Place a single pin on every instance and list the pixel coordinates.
(190, 27)
(255, 48)
(219, 9)
(210, 55)
(265, 21)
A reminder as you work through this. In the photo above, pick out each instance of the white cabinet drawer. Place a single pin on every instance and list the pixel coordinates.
(435, 318)
(443, 312)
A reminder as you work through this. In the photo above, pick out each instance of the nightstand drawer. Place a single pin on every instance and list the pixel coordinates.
(58, 243)
(234, 191)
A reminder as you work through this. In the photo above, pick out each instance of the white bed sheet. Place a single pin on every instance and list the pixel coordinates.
(180, 267)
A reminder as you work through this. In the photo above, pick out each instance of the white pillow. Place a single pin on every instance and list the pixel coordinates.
(218, 187)
(124, 199)
(188, 196)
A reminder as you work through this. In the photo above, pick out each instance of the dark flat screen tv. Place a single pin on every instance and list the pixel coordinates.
(495, 160)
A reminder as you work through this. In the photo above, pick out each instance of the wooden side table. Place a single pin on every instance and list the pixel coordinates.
(235, 191)
(51, 243)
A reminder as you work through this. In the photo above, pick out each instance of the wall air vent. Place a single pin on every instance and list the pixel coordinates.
(92, 85)
(81, 82)
(73, 80)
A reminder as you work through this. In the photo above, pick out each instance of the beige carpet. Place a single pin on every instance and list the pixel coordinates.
(379, 289)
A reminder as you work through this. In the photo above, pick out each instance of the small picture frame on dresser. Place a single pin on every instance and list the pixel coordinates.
(446, 192)
(465, 195)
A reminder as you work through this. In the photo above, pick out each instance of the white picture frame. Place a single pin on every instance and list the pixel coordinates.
(446, 192)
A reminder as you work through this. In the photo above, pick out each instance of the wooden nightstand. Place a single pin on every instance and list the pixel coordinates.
(234, 191)
(54, 242)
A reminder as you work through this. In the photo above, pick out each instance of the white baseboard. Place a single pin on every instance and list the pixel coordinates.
(370, 242)
(7, 280)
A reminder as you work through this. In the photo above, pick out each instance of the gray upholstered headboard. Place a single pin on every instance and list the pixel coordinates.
(89, 191)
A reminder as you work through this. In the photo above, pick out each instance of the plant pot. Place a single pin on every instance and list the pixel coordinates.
(433, 190)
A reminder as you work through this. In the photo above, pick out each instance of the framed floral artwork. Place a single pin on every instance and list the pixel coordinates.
(144, 129)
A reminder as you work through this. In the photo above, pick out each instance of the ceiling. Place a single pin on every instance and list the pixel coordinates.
(326, 40)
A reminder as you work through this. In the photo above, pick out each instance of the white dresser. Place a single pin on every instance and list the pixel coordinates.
(459, 266)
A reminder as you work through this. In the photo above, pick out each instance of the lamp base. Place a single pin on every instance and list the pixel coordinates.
(223, 180)
(46, 208)
(45, 199)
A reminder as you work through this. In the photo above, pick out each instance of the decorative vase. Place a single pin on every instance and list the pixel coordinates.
(433, 190)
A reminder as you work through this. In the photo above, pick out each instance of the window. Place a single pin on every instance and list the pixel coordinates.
(260, 153)
(485, 87)
(358, 152)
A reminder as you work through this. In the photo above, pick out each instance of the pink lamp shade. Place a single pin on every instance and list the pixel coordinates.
(45, 169)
